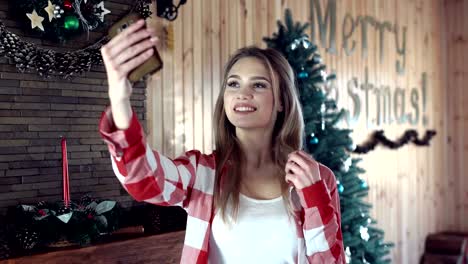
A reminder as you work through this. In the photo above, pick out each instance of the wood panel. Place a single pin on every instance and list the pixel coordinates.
(457, 113)
(415, 190)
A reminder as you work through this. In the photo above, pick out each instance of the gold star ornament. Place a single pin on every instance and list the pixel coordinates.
(50, 10)
(36, 20)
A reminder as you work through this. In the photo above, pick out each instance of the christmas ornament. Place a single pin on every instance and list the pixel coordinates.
(58, 12)
(340, 188)
(314, 140)
(351, 147)
(71, 23)
(67, 4)
(36, 20)
(346, 164)
(324, 76)
(364, 184)
(103, 12)
(302, 41)
(348, 255)
(303, 75)
(50, 10)
(364, 234)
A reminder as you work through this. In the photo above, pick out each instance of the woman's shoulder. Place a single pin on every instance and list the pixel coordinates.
(208, 160)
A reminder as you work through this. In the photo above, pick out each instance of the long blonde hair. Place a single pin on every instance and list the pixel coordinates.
(287, 132)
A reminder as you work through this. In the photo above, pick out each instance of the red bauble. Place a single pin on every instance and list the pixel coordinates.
(67, 5)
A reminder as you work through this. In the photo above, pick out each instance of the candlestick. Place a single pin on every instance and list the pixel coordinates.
(66, 187)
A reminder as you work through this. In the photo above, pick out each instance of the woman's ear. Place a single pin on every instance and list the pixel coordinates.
(280, 108)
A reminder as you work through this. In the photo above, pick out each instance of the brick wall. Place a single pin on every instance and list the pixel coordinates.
(34, 113)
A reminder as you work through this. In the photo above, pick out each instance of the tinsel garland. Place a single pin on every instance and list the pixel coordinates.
(47, 62)
(378, 137)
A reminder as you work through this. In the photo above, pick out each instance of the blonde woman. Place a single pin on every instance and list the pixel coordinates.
(257, 198)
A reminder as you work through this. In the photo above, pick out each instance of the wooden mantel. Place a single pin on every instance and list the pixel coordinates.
(161, 249)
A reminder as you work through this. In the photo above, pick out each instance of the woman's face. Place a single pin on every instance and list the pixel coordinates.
(248, 96)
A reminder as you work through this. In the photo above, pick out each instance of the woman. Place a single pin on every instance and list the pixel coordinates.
(257, 198)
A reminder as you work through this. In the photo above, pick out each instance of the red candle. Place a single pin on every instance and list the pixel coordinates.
(66, 187)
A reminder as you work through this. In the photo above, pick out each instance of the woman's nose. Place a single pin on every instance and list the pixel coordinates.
(244, 93)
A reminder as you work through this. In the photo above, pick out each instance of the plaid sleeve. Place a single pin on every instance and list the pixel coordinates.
(146, 174)
(322, 221)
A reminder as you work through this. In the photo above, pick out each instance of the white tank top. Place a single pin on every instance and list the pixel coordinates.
(263, 233)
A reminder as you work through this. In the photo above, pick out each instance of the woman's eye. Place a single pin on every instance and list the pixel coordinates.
(259, 85)
(233, 84)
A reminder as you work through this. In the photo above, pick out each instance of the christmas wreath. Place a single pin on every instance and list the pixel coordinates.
(60, 19)
(46, 62)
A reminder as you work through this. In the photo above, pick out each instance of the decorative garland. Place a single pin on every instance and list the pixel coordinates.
(60, 20)
(46, 62)
(410, 135)
(52, 224)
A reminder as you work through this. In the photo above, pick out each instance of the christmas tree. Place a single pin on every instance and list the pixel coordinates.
(331, 145)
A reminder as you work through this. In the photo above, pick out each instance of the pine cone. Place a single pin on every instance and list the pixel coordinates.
(27, 238)
(153, 220)
(5, 250)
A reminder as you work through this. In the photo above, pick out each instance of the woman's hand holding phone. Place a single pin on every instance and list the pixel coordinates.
(123, 53)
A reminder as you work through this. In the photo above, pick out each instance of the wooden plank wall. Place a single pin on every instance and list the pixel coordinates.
(456, 24)
(411, 188)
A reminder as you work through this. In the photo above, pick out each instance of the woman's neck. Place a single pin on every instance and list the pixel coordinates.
(257, 148)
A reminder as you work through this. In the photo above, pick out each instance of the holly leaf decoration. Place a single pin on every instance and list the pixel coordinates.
(65, 217)
(92, 205)
(104, 206)
(102, 221)
(28, 208)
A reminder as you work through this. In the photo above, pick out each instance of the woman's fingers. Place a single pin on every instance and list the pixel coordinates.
(126, 32)
(298, 181)
(303, 168)
(300, 160)
(133, 52)
(135, 62)
(128, 43)
(292, 167)
(291, 179)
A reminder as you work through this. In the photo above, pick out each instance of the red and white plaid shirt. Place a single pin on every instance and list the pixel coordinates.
(188, 181)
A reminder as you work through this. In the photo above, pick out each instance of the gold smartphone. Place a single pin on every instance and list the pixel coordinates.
(150, 66)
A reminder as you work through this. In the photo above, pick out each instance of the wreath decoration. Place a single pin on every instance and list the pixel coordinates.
(46, 62)
(60, 20)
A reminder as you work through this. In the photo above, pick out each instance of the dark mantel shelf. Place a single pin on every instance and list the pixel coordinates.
(163, 248)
